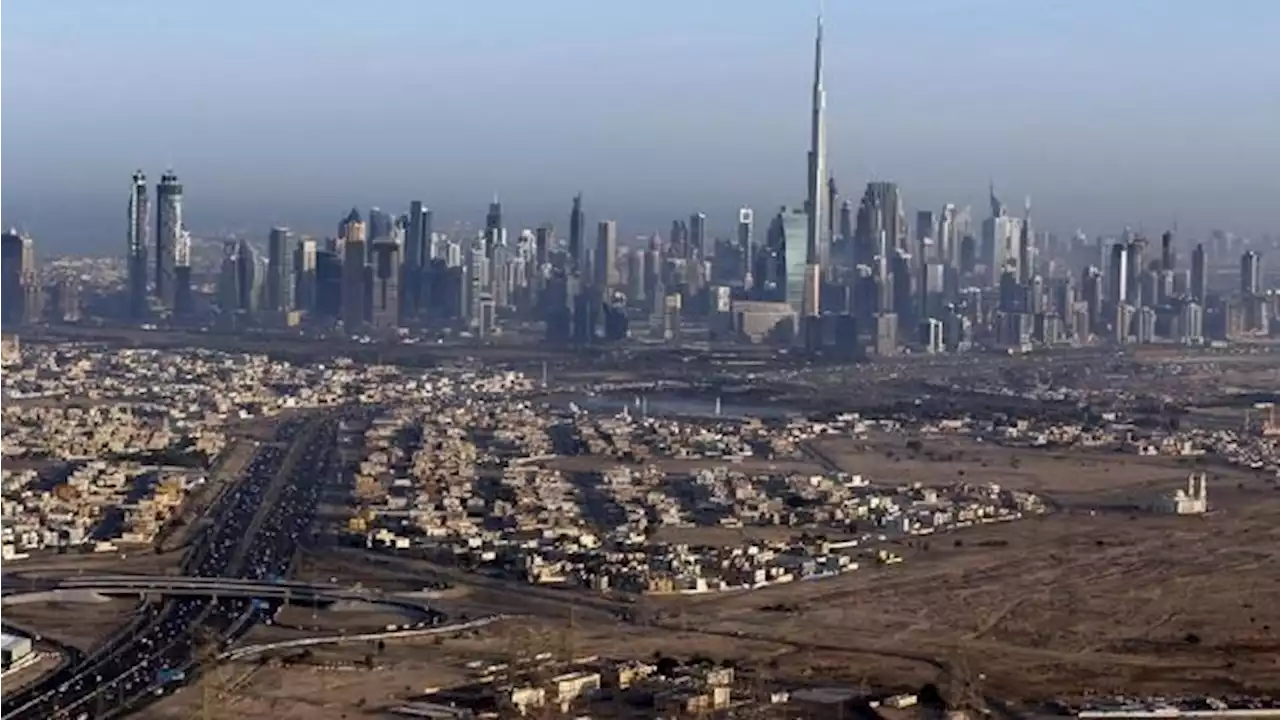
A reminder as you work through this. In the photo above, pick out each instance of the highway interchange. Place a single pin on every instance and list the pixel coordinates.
(255, 536)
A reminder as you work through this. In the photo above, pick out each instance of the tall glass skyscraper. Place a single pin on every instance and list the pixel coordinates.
(789, 233)
(137, 250)
(168, 235)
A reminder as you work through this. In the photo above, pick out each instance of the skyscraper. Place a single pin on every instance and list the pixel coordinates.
(948, 245)
(19, 288)
(1167, 254)
(248, 278)
(380, 224)
(229, 282)
(279, 266)
(697, 246)
(352, 227)
(353, 264)
(926, 234)
(1199, 274)
(137, 247)
(577, 228)
(789, 242)
(817, 179)
(1118, 274)
(305, 260)
(385, 310)
(606, 255)
(846, 221)
(493, 233)
(542, 244)
(746, 240)
(1026, 246)
(417, 250)
(183, 292)
(1134, 265)
(880, 216)
(833, 201)
(168, 232)
(1001, 238)
(1250, 274)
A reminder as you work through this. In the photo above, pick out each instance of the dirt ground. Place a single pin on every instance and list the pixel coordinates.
(1087, 600)
(410, 668)
(48, 662)
(79, 625)
(728, 537)
(1102, 477)
(1073, 603)
(141, 561)
(1053, 607)
(682, 466)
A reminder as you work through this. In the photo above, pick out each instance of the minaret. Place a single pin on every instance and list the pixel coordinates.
(817, 180)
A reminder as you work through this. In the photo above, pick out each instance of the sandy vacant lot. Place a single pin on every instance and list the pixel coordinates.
(681, 466)
(79, 625)
(1068, 475)
(1072, 603)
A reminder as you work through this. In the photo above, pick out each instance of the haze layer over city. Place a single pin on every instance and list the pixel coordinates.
(1109, 114)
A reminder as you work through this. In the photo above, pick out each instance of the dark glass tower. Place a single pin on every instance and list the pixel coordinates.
(492, 227)
(577, 226)
(417, 250)
(697, 246)
(1199, 276)
(168, 234)
(279, 267)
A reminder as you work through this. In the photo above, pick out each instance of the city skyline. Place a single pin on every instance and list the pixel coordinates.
(750, 113)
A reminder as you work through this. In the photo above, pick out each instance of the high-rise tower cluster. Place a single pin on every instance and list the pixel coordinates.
(157, 266)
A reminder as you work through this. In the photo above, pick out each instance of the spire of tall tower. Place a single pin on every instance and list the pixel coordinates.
(817, 180)
(817, 52)
(997, 207)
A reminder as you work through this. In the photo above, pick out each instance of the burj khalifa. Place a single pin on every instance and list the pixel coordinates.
(817, 184)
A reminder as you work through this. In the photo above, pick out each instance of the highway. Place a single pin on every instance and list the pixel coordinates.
(254, 536)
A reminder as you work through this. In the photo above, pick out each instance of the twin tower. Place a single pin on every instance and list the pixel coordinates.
(156, 275)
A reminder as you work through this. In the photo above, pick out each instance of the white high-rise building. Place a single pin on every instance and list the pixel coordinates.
(138, 247)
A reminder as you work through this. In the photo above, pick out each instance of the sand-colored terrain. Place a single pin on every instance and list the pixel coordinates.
(1091, 476)
(1097, 597)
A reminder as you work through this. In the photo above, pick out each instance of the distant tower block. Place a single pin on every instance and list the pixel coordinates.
(1192, 500)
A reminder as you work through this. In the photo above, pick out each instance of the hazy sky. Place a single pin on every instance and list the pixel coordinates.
(1107, 112)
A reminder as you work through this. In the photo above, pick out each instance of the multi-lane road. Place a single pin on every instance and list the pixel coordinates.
(255, 535)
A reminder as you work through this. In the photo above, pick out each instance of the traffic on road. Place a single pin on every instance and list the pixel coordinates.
(256, 533)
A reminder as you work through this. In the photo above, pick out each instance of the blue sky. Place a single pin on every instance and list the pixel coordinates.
(1107, 112)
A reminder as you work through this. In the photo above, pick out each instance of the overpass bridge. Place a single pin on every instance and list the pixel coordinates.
(283, 590)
